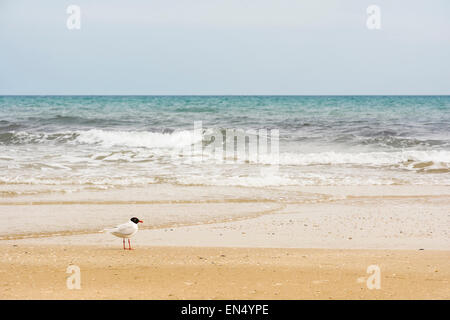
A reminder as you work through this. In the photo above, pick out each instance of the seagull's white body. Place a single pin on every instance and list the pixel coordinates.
(125, 230)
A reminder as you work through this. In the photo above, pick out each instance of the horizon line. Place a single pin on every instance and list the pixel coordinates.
(224, 95)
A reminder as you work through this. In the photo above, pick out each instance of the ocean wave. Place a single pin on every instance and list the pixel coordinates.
(399, 142)
(146, 139)
(407, 158)
(162, 144)
(6, 126)
(22, 137)
(79, 121)
(176, 139)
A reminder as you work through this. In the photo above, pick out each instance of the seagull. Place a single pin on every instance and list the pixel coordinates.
(125, 230)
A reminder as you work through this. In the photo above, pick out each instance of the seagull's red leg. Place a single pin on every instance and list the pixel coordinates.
(129, 245)
(123, 241)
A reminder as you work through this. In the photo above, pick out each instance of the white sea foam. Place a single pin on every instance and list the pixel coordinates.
(176, 139)
(129, 158)
(363, 158)
(145, 139)
(75, 180)
(248, 181)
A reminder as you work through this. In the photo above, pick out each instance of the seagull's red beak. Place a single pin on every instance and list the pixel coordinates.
(141, 221)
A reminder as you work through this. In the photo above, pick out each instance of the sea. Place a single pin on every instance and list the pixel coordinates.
(132, 141)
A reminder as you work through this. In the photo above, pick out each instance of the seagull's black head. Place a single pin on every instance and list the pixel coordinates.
(136, 220)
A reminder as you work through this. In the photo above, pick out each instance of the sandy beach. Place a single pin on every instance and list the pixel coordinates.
(250, 243)
(39, 272)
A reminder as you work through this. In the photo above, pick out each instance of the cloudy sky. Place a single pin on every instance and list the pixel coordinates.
(225, 47)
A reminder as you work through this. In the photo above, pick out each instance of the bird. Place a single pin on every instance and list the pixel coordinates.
(125, 230)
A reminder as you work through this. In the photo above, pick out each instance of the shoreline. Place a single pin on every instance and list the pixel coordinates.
(390, 217)
(250, 243)
(335, 218)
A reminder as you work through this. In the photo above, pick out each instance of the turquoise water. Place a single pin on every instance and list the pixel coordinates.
(108, 141)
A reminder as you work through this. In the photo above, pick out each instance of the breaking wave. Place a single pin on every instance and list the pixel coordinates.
(411, 157)
(105, 138)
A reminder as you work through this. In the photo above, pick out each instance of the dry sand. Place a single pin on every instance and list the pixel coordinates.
(39, 272)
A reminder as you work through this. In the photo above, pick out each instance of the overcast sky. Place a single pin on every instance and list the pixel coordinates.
(225, 47)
